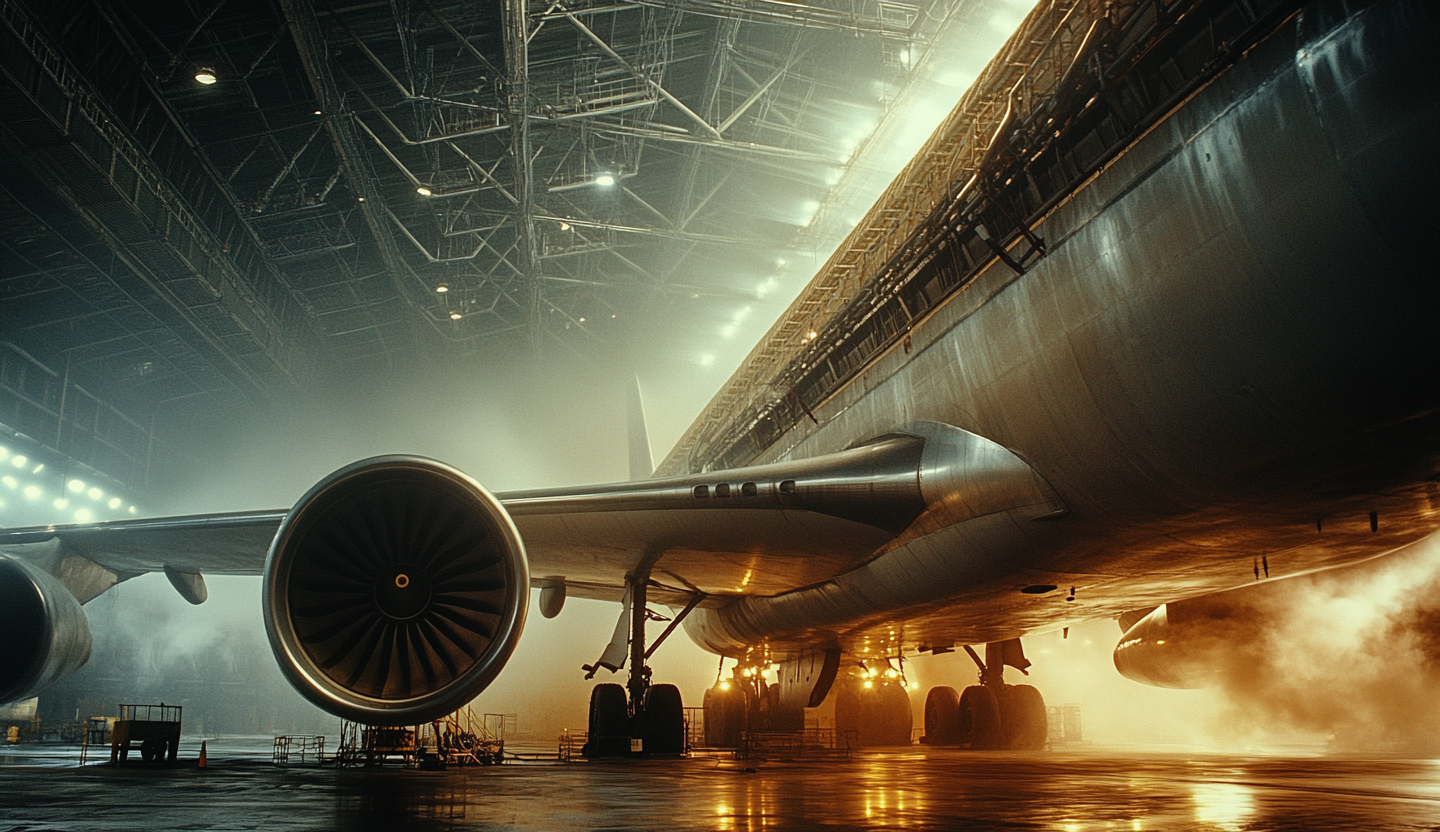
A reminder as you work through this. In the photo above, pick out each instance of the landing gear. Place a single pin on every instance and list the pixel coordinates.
(879, 714)
(639, 718)
(992, 714)
(1022, 718)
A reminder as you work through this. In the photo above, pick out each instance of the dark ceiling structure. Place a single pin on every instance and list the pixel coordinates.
(204, 205)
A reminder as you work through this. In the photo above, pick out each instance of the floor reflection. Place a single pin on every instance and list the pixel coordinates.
(902, 789)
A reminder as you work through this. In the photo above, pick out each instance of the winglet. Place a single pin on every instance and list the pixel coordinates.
(642, 464)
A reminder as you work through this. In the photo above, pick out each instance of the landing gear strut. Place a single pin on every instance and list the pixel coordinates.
(992, 714)
(639, 718)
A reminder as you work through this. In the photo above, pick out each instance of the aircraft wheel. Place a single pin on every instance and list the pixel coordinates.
(1022, 718)
(942, 716)
(664, 720)
(724, 717)
(151, 750)
(780, 717)
(609, 722)
(980, 718)
(896, 718)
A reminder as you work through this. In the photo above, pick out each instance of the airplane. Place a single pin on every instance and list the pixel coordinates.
(1173, 313)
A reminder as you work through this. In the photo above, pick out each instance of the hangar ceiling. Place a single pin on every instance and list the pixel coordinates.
(359, 184)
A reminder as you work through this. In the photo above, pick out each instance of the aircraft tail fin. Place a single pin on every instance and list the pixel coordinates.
(642, 464)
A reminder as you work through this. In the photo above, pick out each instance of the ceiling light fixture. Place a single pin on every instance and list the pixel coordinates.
(564, 226)
(455, 316)
(424, 191)
(114, 502)
(605, 180)
(61, 502)
(95, 493)
(32, 491)
(38, 468)
(206, 76)
(75, 485)
(19, 461)
(442, 289)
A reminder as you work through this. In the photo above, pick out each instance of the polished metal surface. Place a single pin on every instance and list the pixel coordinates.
(44, 635)
(916, 788)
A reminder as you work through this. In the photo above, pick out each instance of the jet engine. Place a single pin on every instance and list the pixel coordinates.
(395, 591)
(46, 635)
(1188, 644)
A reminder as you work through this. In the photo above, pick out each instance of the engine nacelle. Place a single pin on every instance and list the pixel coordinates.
(1187, 644)
(46, 635)
(395, 591)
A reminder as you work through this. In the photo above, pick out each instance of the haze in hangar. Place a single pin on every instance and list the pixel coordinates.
(1138, 325)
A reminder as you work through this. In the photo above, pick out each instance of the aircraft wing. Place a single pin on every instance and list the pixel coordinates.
(756, 531)
(762, 530)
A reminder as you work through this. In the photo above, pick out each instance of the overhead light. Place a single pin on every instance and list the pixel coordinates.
(9, 482)
(317, 112)
(605, 180)
(76, 486)
(32, 492)
(455, 316)
(114, 502)
(582, 320)
(19, 461)
(38, 468)
(424, 191)
(442, 289)
(83, 515)
(205, 76)
(95, 493)
(564, 226)
(359, 199)
(61, 502)
(131, 509)
(4, 452)
(814, 335)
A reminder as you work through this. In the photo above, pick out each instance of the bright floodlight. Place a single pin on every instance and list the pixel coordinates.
(19, 461)
(4, 452)
(131, 509)
(32, 492)
(114, 502)
(61, 502)
(95, 493)
(455, 316)
(38, 468)
(83, 515)
(442, 289)
(423, 191)
(605, 180)
(75, 485)
(9, 482)
(205, 76)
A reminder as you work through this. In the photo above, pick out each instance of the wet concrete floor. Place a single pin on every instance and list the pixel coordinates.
(901, 788)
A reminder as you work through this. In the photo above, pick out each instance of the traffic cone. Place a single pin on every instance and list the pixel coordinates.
(202, 754)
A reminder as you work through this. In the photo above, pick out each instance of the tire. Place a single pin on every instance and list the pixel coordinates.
(724, 717)
(895, 717)
(609, 722)
(1023, 719)
(152, 750)
(980, 719)
(942, 716)
(664, 720)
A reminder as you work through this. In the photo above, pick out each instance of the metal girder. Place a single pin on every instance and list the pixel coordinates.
(640, 76)
(517, 79)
